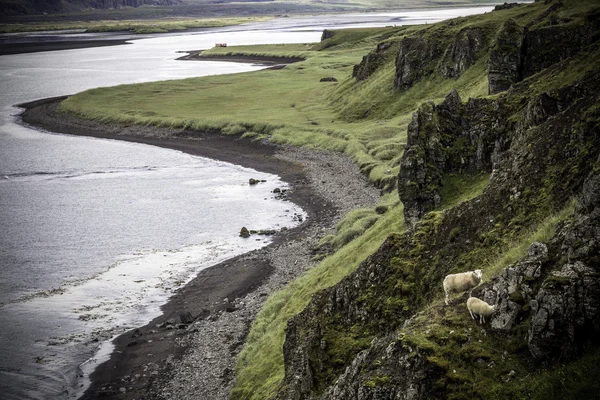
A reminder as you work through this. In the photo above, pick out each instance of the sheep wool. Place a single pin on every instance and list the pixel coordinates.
(479, 307)
(461, 282)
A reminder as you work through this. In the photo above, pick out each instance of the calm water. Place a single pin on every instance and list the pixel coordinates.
(96, 234)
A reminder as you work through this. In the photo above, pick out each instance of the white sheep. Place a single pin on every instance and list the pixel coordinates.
(480, 307)
(461, 282)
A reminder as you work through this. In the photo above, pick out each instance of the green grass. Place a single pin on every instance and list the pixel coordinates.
(287, 106)
(542, 232)
(367, 121)
(457, 188)
(260, 364)
(135, 26)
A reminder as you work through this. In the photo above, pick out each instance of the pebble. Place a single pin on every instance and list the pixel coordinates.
(191, 376)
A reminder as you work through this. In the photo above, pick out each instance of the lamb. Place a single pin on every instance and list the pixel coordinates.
(461, 282)
(480, 307)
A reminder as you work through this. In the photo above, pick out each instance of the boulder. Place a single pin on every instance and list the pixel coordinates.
(244, 232)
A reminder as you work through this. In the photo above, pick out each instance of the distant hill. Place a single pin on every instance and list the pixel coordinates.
(20, 7)
(80, 8)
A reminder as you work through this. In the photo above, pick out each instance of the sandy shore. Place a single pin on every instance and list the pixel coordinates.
(176, 356)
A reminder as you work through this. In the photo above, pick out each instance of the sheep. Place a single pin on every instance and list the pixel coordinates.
(480, 307)
(461, 282)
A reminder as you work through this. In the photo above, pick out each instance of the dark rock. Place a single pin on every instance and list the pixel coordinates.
(449, 137)
(506, 6)
(132, 343)
(416, 58)
(186, 317)
(371, 62)
(276, 190)
(421, 166)
(253, 181)
(328, 79)
(381, 210)
(462, 52)
(327, 34)
(512, 288)
(549, 45)
(137, 333)
(565, 313)
(505, 65)
(244, 232)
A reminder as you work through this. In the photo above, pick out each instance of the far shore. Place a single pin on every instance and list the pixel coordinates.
(37, 46)
(210, 316)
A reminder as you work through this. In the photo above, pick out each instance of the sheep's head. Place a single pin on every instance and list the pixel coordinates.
(494, 308)
(478, 274)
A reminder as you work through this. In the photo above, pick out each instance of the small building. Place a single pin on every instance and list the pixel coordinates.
(220, 44)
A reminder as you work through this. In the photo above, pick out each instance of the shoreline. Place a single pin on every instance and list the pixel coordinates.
(190, 349)
(38, 46)
(196, 55)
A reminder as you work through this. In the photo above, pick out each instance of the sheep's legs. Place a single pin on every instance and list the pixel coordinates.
(447, 298)
(471, 312)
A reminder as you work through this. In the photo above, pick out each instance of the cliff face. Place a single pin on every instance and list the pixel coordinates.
(383, 332)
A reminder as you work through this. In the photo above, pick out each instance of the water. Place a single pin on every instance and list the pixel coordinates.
(96, 234)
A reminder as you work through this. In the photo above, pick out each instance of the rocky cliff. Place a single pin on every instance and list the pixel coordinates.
(384, 332)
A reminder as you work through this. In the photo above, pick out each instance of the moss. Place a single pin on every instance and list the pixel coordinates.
(377, 381)
(556, 282)
(341, 344)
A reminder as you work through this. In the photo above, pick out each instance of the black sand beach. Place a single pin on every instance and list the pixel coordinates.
(146, 359)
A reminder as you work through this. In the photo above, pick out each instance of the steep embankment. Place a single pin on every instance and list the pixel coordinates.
(384, 332)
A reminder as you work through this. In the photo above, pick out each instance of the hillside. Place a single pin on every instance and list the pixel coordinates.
(482, 134)
(61, 10)
(384, 331)
(18, 7)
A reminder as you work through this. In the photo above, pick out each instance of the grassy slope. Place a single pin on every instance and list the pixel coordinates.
(366, 120)
(134, 26)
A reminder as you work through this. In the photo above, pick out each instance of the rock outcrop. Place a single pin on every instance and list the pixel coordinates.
(519, 52)
(549, 45)
(368, 337)
(371, 62)
(327, 34)
(416, 58)
(449, 137)
(505, 65)
(462, 52)
(515, 52)
(422, 164)
(450, 56)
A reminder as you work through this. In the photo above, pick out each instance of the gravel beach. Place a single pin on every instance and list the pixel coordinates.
(189, 351)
